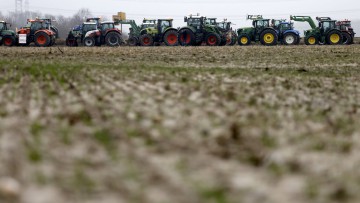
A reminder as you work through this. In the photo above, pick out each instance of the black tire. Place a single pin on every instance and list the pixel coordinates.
(269, 37)
(8, 41)
(42, 39)
(89, 42)
(290, 39)
(311, 40)
(113, 39)
(244, 40)
(71, 42)
(347, 39)
(212, 39)
(146, 40)
(133, 41)
(186, 38)
(334, 37)
(171, 38)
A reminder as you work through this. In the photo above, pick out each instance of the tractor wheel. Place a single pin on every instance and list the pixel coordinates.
(244, 40)
(290, 39)
(212, 39)
(232, 40)
(186, 37)
(347, 39)
(133, 41)
(113, 39)
(171, 38)
(42, 39)
(311, 40)
(334, 37)
(146, 40)
(268, 37)
(89, 41)
(9, 41)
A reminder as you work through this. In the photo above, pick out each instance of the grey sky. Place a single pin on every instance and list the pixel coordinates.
(233, 10)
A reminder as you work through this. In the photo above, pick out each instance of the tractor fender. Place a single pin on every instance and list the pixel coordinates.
(292, 31)
(48, 32)
(188, 28)
(93, 33)
(113, 30)
(170, 29)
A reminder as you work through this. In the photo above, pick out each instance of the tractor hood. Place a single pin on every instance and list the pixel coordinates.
(92, 33)
(7, 32)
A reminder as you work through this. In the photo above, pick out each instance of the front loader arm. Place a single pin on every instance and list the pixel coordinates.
(304, 19)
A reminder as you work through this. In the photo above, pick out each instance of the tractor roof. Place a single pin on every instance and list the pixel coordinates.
(89, 23)
(107, 22)
(1, 21)
(170, 19)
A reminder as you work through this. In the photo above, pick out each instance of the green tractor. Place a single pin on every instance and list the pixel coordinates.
(326, 33)
(7, 37)
(163, 31)
(198, 31)
(225, 29)
(134, 29)
(261, 31)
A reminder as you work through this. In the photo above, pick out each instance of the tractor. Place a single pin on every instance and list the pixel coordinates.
(347, 31)
(261, 31)
(7, 37)
(37, 31)
(226, 28)
(134, 29)
(198, 31)
(286, 32)
(49, 24)
(163, 31)
(95, 33)
(325, 33)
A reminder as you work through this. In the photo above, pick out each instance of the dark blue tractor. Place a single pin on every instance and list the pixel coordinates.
(286, 33)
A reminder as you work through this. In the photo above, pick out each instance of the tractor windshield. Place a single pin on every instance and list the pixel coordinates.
(262, 23)
(165, 24)
(327, 25)
(107, 26)
(211, 21)
(195, 22)
(38, 25)
(2, 26)
(89, 27)
(222, 25)
(285, 26)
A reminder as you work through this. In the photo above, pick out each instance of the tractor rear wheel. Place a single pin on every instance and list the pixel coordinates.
(171, 38)
(290, 39)
(89, 42)
(213, 39)
(311, 40)
(244, 40)
(347, 39)
(9, 41)
(113, 39)
(42, 39)
(334, 37)
(186, 37)
(146, 40)
(133, 41)
(268, 37)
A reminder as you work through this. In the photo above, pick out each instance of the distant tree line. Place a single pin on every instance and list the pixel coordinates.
(64, 24)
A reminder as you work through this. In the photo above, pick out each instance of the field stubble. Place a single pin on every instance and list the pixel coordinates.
(201, 124)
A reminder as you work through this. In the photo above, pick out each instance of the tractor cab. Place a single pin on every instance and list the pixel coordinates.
(96, 20)
(36, 25)
(107, 26)
(260, 25)
(224, 25)
(327, 25)
(197, 22)
(344, 25)
(148, 23)
(164, 24)
(3, 26)
(211, 21)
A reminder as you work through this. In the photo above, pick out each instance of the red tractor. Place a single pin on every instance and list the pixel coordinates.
(347, 31)
(106, 33)
(37, 31)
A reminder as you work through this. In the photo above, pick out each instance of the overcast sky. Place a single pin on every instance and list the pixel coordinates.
(233, 10)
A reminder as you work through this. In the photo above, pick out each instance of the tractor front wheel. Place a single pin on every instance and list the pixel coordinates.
(133, 41)
(171, 38)
(42, 39)
(268, 38)
(146, 40)
(89, 41)
(244, 40)
(290, 39)
(334, 37)
(113, 39)
(311, 40)
(347, 39)
(9, 41)
(213, 39)
(186, 38)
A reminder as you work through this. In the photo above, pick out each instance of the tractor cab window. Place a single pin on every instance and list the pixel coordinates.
(285, 26)
(107, 26)
(90, 27)
(37, 26)
(327, 25)
(195, 22)
(211, 21)
(2, 26)
(222, 25)
(164, 25)
(262, 23)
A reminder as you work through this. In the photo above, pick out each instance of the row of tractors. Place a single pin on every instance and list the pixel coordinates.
(198, 30)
